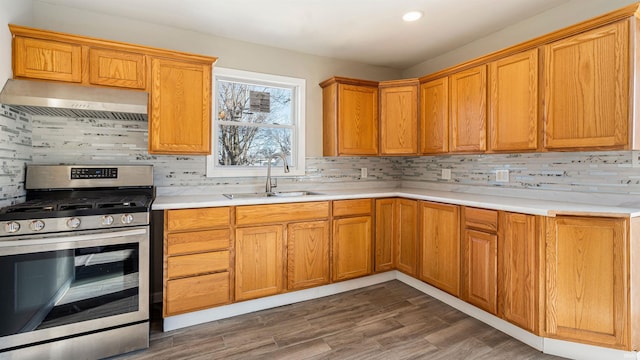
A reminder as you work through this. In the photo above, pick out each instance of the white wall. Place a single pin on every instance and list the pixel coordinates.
(230, 53)
(556, 18)
(11, 12)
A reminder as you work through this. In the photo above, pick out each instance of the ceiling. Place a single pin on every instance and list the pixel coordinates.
(366, 31)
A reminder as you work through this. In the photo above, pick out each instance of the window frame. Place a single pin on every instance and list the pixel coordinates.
(298, 86)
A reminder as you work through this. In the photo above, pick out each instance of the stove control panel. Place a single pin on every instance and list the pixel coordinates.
(76, 223)
(93, 173)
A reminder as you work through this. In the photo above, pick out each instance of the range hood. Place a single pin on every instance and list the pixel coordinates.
(67, 100)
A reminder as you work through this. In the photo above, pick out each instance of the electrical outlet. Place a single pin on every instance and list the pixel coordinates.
(446, 174)
(502, 175)
(635, 159)
(363, 173)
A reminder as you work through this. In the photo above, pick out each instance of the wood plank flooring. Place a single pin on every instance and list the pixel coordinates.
(385, 321)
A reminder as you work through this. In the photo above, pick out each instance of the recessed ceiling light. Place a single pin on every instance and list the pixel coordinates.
(412, 16)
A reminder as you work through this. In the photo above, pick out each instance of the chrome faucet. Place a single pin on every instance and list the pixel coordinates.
(286, 170)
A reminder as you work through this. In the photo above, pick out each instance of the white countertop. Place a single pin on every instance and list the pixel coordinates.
(512, 204)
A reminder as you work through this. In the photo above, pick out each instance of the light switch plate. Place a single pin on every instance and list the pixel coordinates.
(502, 175)
(446, 174)
(635, 159)
(363, 173)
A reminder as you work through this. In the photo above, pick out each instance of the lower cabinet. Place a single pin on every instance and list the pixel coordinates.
(352, 239)
(519, 271)
(439, 262)
(307, 254)
(480, 258)
(259, 266)
(197, 269)
(265, 233)
(587, 280)
(396, 237)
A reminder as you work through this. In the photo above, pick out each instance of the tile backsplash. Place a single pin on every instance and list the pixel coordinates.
(39, 139)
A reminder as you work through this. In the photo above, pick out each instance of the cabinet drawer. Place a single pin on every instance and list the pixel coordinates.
(196, 293)
(194, 219)
(482, 219)
(197, 241)
(351, 207)
(186, 265)
(264, 214)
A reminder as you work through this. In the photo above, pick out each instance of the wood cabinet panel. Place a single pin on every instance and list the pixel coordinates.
(406, 229)
(197, 241)
(196, 264)
(518, 270)
(259, 261)
(481, 219)
(308, 254)
(468, 101)
(47, 59)
(352, 240)
(386, 224)
(587, 280)
(399, 117)
(439, 263)
(352, 207)
(513, 102)
(278, 213)
(196, 293)
(197, 218)
(180, 107)
(117, 68)
(480, 269)
(357, 120)
(586, 80)
(434, 116)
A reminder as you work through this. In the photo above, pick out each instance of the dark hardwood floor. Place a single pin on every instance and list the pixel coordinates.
(386, 321)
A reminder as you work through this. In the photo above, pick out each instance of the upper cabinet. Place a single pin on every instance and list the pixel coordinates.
(350, 117)
(586, 87)
(180, 107)
(468, 102)
(117, 68)
(434, 116)
(399, 117)
(47, 59)
(179, 86)
(513, 102)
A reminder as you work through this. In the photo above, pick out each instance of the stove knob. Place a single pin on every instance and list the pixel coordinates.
(107, 220)
(127, 219)
(73, 223)
(36, 225)
(12, 227)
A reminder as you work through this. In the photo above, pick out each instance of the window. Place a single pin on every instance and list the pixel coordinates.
(256, 116)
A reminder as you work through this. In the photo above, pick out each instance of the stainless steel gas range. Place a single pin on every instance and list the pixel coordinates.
(74, 263)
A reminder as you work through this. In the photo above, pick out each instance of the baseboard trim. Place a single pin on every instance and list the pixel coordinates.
(549, 346)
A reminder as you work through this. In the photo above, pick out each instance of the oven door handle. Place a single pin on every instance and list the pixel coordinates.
(58, 242)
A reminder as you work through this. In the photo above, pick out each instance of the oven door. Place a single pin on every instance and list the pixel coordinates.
(60, 285)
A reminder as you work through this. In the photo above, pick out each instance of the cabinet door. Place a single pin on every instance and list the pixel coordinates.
(399, 120)
(196, 293)
(180, 108)
(46, 59)
(351, 247)
(406, 252)
(518, 270)
(440, 246)
(469, 110)
(587, 280)
(434, 116)
(259, 261)
(357, 120)
(513, 102)
(480, 269)
(307, 254)
(586, 82)
(386, 222)
(117, 68)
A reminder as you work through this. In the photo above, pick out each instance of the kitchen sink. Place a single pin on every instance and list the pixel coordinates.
(295, 193)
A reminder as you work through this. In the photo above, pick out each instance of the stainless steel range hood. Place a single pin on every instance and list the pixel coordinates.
(67, 100)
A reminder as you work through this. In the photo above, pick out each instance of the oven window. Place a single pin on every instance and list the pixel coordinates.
(62, 287)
